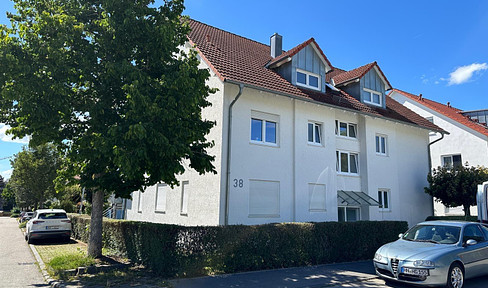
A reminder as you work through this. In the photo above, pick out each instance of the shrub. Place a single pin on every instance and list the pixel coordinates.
(23, 224)
(171, 250)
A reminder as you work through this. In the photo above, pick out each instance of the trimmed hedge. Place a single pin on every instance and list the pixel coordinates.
(172, 250)
(456, 218)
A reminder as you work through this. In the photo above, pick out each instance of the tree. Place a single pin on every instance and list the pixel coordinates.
(456, 186)
(108, 81)
(33, 175)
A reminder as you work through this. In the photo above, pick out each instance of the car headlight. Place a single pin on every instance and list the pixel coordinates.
(424, 263)
(380, 259)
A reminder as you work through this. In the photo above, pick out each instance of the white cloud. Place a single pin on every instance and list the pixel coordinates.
(6, 174)
(8, 138)
(464, 73)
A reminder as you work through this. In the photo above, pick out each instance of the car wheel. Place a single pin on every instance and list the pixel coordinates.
(455, 278)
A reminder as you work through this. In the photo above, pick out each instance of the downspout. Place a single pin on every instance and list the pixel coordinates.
(229, 134)
(430, 164)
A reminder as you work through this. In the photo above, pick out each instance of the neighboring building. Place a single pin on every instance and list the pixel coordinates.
(308, 142)
(466, 143)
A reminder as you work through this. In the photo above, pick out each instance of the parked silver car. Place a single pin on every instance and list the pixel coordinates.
(435, 253)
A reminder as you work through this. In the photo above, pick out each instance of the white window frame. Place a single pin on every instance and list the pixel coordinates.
(264, 118)
(312, 189)
(308, 74)
(184, 198)
(371, 92)
(314, 130)
(161, 187)
(381, 200)
(338, 163)
(358, 208)
(378, 148)
(139, 202)
(349, 125)
(452, 160)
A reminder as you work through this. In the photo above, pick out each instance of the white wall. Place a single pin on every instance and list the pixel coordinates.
(472, 145)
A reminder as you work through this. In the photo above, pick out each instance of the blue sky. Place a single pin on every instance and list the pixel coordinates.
(437, 48)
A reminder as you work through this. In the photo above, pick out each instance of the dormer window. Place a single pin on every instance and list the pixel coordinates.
(307, 79)
(373, 97)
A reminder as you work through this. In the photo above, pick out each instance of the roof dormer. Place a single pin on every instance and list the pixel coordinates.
(367, 84)
(304, 65)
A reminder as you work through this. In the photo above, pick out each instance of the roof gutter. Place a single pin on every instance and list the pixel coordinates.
(430, 164)
(229, 134)
(330, 105)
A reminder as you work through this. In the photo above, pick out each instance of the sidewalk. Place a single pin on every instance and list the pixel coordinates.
(17, 265)
(331, 275)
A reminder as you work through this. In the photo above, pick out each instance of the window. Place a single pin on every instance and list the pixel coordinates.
(139, 202)
(317, 198)
(345, 129)
(473, 232)
(264, 128)
(347, 163)
(452, 161)
(307, 79)
(381, 144)
(185, 194)
(373, 97)
(161, 191)
(314, 133)
(264, 199)
(348, 214)
(384, 199)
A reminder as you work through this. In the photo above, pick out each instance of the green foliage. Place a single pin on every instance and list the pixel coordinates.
(15, 210)
(456, 186)
(23, 224)
(194, 251)
(102, 80)
(14, 215)
(63, 262)
(34, 170)
(456, 218)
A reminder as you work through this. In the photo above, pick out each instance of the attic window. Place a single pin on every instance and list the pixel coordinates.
(307, 79)
(373, 97)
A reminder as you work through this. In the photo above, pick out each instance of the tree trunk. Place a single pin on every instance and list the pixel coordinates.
(467, 211)
(95, 239)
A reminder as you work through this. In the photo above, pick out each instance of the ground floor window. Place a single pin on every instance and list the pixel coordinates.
(348, 214)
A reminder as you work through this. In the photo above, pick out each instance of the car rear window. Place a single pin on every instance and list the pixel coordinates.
(59, 215)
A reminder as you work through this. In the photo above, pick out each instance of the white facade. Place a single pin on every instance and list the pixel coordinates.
(471, 145)
(294, 180)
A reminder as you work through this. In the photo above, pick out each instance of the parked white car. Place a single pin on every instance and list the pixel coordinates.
(48, 223)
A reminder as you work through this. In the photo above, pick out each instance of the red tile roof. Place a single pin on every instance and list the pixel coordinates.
(448, 111)
(358, 73)
(237, 59)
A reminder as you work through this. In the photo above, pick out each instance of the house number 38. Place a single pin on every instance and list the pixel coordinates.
(238, 183)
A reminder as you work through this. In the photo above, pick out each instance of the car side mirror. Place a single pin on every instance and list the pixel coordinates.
(471, 242)
(400, 235)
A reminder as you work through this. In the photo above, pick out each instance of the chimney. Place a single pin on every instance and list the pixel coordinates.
(276, 43)
(420, 96)
(449, 104)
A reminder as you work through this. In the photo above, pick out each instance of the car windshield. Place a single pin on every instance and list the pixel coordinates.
(440, 234)
(53, 216)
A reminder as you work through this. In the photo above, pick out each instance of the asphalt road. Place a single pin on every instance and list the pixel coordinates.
(18, 268)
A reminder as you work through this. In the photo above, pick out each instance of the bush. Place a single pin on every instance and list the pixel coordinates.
(456, 218)
(172, 250)
(14, 215)
(23, 224)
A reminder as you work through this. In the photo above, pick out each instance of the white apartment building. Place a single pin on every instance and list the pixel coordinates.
(296, 140)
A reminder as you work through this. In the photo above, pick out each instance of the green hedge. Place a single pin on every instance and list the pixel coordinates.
(457, 218)
(172, 250)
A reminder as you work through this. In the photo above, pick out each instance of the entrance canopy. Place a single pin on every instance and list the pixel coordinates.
(352, 198)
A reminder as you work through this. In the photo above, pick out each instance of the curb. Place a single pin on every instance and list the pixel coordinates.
(53, 282)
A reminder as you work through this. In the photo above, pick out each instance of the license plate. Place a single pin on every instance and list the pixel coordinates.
(52, 227)
(416, 272)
